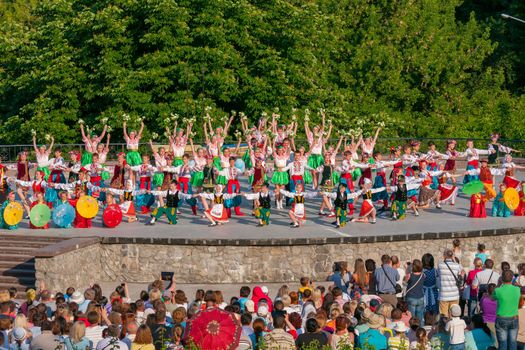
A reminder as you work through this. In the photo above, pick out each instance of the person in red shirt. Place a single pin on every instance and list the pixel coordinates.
(473, 296)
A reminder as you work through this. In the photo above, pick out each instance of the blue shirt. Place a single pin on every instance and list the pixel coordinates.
(383, 284)
(337, 278)
(482, 256)
(372, 339)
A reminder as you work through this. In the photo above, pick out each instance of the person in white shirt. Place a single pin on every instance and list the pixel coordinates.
(485, 277)
(94, 331)
(456, 329)
(396, 264)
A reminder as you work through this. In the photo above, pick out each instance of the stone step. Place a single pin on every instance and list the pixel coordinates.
(17, 258)
(26, 238)
(19, 272)
(19, 250)
(4, 264)
(22, 281)
(28, 244)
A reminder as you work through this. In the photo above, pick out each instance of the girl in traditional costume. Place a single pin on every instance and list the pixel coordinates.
(349, 172)
(145, 173)
(368, 144)
(79, 221)
(486, 175)
(367, 208)
(496, 149)
(477, 206)
(42, 156)
(74, 165)
(500, 208)
(426, 194)
(380, 179)
(127, 205)
(298, 213)
(183, 175)
(39, 199)
(224, 158)
(233, 186)
(472, 155)
(10, 199)
(38, 185)
(197, 177)
(161, 179)
(57, 167)
(510, 168)
(316, 141)
(132, 145)
(520, 210)
(451, 155)
(91, 143)
(280, 176)
(448, 191)
(217, 213)
(119, 172)
(341, 198)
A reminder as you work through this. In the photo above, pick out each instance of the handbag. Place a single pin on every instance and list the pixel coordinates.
(397, 286)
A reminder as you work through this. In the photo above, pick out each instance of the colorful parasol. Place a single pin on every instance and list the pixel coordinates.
(511, 198)
(473, 187)
(40, 215)
(13, 213)
(63, 215)
(239, 164)
(87, 207)
(213, 329)
(112, 216)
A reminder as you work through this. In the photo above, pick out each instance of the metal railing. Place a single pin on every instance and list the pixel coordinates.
(9, 153)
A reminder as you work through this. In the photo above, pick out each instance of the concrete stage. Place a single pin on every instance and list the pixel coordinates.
(448, 219)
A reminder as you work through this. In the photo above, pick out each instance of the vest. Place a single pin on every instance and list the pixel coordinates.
(264, 201)
(298, 199)
(367, 195)
(341, 200)
(326, 175)
(493, 156)
(485, 175)
(128, 196)
(401, 193)
(172, 199)
(218, 199)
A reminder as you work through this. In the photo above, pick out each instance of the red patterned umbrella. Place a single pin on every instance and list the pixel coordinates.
(214, 329)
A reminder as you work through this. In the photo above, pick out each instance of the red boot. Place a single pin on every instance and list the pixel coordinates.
(238, 211)
(144, 209)
(351, 208)
(229, 212)
(194, 209)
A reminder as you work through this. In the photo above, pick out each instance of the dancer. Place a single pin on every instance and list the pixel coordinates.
(95, 177)
(486, 175)
(495, 149)
(367, 208)
(510, 168)
(520, 210)
(145, 173)
(161, 179)
(350, 170)
(477, 206)
(316, 141)
(280, 176)
(79, 221)
(10, 199)
(473, 160)
(217, 214)
(298, 214)
(329, 179)
(38, 185)
(341, 198)
(380, 180)
(178, 143)
(183, 175)
(426, 194)
(73, 166)
(297, 169)
(91, 143)
(448, 191)
(262, 200)
(233, 186)
(119, 172)
(451, 154)
(42, 156)
(39, 199)
(401, 201)
(57, 166)
(127, 194)
(224, 159)
(500, 208)
(368, 144)
(197, 177)
(169, 205)
(409, 161)
(132, 144)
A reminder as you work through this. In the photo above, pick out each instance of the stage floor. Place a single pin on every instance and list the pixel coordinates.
(448, 219)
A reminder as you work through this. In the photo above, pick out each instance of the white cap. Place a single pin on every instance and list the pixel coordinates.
(264, 290)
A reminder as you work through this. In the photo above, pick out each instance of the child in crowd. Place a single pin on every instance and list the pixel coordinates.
(456, 327)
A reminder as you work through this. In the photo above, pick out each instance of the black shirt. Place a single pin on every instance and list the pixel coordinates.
(304, 340)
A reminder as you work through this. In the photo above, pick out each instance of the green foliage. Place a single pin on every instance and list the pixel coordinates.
(431, 68)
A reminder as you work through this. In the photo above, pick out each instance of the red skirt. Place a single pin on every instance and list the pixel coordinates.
(511, 181)
(222, 218)
(448, 192)
(366, 208)
(477, 208)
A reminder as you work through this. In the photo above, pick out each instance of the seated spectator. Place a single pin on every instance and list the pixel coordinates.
(312, 337)
(20, 340)
(372, 337)
(111, 341)
(46, 340)
(143, 340)
(77, 339)
(278, 338)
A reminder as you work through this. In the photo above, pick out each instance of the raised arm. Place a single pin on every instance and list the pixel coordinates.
(338, 145)
(82, 132)
(193, 148)
(329, 133)
(206, 138)
(175, 124)
(376, 135)
(227, 125)
(103, 133)
(34, 144)
(125, 131)
(152, 148)
(189, 127)
(307, 130)
(238, 145)
(51, 145)
(141, 130)
(209, 121)
(107, 142)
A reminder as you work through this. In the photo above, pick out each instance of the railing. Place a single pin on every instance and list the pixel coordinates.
(9, 153)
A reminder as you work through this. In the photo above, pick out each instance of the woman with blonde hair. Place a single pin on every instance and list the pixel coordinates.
(143, 339)
(22, 322)
(317, 298)
(77, 337)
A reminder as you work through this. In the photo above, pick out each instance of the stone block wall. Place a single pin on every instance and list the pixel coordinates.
(142, 262)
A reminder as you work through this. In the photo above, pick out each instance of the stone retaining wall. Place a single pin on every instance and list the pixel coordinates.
(134, 261)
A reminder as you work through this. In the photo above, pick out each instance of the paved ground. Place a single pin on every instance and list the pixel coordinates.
(450, 218)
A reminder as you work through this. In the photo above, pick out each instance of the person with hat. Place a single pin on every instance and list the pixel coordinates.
(401, 202)
(20, 339)
(456, 328)
(262, 204)
(399, 340)
(372, 337)
(496, 148)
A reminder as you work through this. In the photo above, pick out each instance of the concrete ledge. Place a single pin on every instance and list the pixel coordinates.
(65, 246)
(279, 242)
